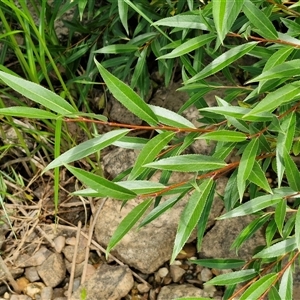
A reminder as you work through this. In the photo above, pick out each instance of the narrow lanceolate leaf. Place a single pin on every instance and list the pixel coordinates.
(191, 215)
(261, 22)
(297, 228)
(127, 223)
(189, 46)
(252, 206)
(291, 171)
(158, 210)
(284, 143)
(101, 184)
(125, 95)
(239, 113)
(286, 69)
(87, 148)
(225, 13)
(278, 249)
(258, 177)
(219, 263)
(233, 278)
(224, 136)
(286, 284)
(170, 118)
(38, 94)
(223, 61)
(183, 21)
(118, 48)
(27, 112)
(188, 163)
(259, 287)
(280, 213)
(123, 12)
(274, 99)
(246, 165)
(149, 153)
(139, 187)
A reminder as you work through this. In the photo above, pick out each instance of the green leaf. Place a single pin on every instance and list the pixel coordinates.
(233, 278)
(170, 118)
(224, 136)
(284, 143)
(278, 249)
(258, 176)
(190, 216)
(87, 148)
(219, 263)
(127, 223)
(249, 231)
(123, 11)
(225, 13)
(223, 61)
(183, 21)
(189, 46)
(252, 206)
(149, 152)
(286, 284)
(188, 163)
(27, 112)
(285, 94)
(291, 171)
(139, 187)
(102, 185)
(139, 68)
(125, 95)
(297, 228)
(259, 287)
(279, 217)
(262, 23)
(160, 209)
(246, 165)
(239, 113)
(131, 142)
(202, 223)
(287, 69)
(38, 94)
(117, 49)
(273, 294)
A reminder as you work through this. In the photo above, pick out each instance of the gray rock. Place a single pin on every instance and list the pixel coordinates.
(53, 270)
(217, 242)
(47, 293)
(39, 257)
(172, 291)
(109, 282)
(151, 246)
(32, 274)
(68, 251)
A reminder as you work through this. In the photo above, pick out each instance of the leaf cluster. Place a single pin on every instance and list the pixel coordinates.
(257, 120)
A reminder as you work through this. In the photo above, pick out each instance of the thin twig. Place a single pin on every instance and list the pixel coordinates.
(9, 276)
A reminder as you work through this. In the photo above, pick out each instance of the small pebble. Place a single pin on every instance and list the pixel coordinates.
(209, 290)
(176, 273)
(22, 283)
(143, 288)
(177, 263)
(206, 274)
(47, 293)
(32, 274)
(162, 272)
(6, 296)
(60, 243)
(167, 280)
